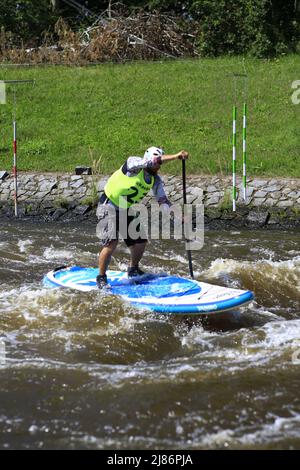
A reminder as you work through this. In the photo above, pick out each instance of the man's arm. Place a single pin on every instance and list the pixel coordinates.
(182, 155)
(159, 191)
(136, 164)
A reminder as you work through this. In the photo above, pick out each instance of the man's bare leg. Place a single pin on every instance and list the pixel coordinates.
(137, 251)
(105, 256)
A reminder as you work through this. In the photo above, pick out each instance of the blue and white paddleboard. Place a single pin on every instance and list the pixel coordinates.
(156, 292)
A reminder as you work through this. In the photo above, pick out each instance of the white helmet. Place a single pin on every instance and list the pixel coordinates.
(153, 152)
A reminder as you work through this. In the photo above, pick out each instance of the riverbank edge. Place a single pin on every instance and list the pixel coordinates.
(272, 203)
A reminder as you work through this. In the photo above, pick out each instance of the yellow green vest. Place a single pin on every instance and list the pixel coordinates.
(124, 191)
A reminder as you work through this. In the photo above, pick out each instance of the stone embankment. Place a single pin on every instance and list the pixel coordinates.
(271, 202)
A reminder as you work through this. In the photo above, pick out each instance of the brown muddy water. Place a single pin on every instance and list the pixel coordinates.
(88, 371)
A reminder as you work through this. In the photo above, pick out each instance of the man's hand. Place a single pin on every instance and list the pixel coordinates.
(183, 155)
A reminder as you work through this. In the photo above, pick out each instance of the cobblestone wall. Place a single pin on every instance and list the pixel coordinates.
(62, 196)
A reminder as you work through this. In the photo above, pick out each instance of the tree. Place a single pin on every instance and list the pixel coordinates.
(26, 19)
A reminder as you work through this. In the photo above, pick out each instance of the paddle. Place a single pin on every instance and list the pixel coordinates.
(189, 254)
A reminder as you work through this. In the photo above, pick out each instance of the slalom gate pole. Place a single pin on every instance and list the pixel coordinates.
(189, 254)
(244, 151)
(234, 115)
(236, 77)
(15, 171)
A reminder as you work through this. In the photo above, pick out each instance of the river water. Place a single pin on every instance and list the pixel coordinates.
(88, 371)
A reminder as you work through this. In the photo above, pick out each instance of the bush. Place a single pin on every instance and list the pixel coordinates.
(261, 28)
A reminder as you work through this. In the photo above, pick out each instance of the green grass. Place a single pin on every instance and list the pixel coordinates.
(75, 115)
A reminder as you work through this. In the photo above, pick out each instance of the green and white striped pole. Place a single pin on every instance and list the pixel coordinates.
(234, 114)
(244, 152)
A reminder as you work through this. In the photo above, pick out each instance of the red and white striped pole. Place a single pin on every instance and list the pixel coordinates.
(15, 171)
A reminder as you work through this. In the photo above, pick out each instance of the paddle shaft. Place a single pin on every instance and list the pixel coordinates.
(189, 254)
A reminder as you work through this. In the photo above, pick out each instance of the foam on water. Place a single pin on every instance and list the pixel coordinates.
(265, 252)
(274, 336)
(24, 244)
(276, 430)
(53, 253)
(276, 282)
(273, 343)
(273, 267)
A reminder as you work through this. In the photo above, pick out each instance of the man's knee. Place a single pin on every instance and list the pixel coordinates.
(113, 244)
(110, 245)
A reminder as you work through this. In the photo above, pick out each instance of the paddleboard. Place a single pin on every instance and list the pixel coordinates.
(156, 292)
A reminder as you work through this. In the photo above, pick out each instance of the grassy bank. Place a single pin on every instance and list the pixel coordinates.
(75, 115)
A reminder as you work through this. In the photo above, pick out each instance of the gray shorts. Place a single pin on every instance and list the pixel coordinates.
(111, 226)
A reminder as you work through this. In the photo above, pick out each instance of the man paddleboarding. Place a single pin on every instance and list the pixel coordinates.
(126, 187)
